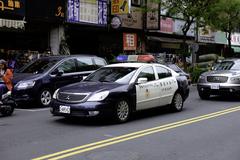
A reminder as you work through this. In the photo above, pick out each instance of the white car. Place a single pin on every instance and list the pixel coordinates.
(120, 89)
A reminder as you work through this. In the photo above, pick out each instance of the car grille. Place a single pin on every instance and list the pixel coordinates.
(217, 79)
(72, 97)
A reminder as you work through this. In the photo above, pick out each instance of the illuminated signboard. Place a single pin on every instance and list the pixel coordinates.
(12, 7)
(120, 7)
(87, 11)
(129, 41)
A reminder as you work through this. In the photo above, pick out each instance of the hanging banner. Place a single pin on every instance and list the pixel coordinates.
(129, 41)
(120, 7)
(166, 25)
(235, 39)
(87, 11)
(132, 20)
(152, 16)
(178, 25)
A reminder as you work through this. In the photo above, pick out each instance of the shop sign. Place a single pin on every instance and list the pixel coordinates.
(120, 6)
(171, 45)
(132, 20)
(178, 25)
(220, 38)
(152, 16)
(51, 10)
(59, 9)
(235, 39)
(87, 11)
(12, 7)
(206, 35)
(166, 25)
(129, 41)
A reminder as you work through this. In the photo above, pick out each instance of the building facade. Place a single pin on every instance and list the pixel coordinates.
(105, 28)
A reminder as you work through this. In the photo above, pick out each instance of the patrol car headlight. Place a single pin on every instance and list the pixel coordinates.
(55, 94)
(99, 96)
(25, 85)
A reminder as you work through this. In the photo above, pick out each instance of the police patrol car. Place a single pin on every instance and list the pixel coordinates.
(120, 89)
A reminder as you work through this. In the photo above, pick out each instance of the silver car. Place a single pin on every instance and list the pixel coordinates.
(223, 80)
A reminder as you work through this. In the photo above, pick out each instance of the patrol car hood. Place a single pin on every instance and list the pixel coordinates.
(222, 73)
(89, 87)
(24, 77)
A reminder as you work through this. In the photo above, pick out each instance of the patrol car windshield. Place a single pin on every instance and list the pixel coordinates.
(39, 66)
(120, 75)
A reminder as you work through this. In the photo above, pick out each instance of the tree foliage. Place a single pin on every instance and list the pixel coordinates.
(190, 11)
(224, 16)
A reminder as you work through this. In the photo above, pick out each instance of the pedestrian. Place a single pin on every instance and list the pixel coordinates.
(6, 76)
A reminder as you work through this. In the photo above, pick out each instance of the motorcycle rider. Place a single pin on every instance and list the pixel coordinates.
(6, 75)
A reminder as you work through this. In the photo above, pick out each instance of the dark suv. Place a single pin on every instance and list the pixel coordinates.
(38, 80)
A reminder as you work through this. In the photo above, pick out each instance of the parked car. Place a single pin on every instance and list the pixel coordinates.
(38, 80)
(120, 89)
(223, 80)
(177, 69)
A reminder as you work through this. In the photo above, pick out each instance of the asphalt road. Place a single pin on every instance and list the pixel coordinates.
(204, 130)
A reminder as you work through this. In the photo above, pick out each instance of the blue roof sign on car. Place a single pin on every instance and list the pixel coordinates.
(122, 58)
(135, 58)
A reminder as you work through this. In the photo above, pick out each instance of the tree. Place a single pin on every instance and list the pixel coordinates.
(190, 11)
(225, 16)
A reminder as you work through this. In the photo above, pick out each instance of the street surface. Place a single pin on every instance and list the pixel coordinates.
(204, 130)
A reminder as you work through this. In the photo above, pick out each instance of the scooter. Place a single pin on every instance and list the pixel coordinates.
(7, 104)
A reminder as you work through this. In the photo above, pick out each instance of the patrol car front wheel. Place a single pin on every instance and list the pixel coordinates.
(122, 111)
(177, 102)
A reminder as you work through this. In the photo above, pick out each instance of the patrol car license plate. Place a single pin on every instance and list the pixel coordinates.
(64, 109)
(215, 86)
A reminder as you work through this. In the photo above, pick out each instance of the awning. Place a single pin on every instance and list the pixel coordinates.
(170, 40)
(9, 23)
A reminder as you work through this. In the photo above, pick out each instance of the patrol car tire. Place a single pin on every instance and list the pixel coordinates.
(122, 111)
(177, 102)
(44, 97)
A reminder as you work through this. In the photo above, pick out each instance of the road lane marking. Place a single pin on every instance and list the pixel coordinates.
(32, 110)
(134, 135)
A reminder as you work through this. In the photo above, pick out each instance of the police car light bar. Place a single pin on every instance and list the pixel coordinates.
(135, 58)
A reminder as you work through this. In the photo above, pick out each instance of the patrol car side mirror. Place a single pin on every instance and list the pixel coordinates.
(142, 80)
